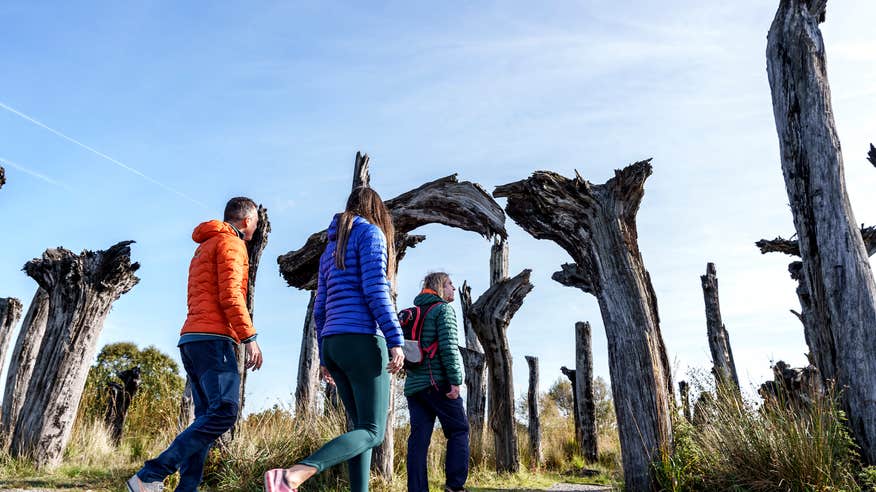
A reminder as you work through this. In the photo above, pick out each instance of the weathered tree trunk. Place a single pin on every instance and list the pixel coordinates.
(596, 225)
(27, 347)
(834, 258)
(445, 201)
(120, 396)
(474, 361)
(307, 389)
(186, 406)
(684, 393)
(821, 353)
(799, 386)
(81, 291)
(2, 176)
(10, 311)
(871, 156)
(723, 365)
(572, 375)
(586, 405)
(490, 317)
(534, 424)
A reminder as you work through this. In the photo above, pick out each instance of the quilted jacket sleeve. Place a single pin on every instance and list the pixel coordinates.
(372, 261)
(232, 270)
(319, 303)
(448, 340)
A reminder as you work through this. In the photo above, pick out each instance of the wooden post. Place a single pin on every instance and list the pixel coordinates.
(596, 225)
(474, 361)
(307, 389)
(684, 392)
(82, 289)
(10, 311)
(586, 405)
(532, 400)
(834, 257)
(723, 365)
(120, 396)
(27, 347)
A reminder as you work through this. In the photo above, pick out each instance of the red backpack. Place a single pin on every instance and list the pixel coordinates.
(412, 320)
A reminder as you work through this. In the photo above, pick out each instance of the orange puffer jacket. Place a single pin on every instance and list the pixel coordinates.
(218, 279)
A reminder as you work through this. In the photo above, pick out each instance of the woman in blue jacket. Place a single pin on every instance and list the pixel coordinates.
(355, 323)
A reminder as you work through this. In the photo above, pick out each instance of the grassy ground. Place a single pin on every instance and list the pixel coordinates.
(274, 439)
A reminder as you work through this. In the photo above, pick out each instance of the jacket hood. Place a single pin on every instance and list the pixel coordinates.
(211, 228)
(426, 298)
(333, 227)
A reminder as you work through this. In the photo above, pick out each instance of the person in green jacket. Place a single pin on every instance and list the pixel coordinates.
(432, 390)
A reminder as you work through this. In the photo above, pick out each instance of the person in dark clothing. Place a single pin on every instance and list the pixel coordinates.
(432, 390)
(360, 339)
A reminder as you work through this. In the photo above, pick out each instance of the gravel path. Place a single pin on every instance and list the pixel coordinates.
(579, 487)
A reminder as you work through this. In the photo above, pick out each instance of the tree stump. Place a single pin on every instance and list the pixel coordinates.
(532, 402)
(186, 406)
(120, 396)
(27, 347)
(834, 257)
(81, 290)
(596, 225)
(585, 404)
(723, 366)
(572, 375)
(684, 393)
(307, 388)
(474, 362)
(490, 316)
(10, 311)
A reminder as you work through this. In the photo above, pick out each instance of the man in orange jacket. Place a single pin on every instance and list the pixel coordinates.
(217, 320)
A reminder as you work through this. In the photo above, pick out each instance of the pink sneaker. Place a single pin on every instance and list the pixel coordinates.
(275, 481)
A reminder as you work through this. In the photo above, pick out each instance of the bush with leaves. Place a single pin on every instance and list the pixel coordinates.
(154, 411)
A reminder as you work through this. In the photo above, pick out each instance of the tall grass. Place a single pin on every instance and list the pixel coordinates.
(777, 445)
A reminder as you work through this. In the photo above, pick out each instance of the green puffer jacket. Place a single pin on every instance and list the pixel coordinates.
(439, 324)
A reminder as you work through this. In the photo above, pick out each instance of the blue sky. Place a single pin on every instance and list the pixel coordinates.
(272, 100)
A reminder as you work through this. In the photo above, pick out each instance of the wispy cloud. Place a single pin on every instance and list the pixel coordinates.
(101, 154)
(29, 171)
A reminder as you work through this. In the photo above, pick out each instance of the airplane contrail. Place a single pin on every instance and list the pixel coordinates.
(27, 170)
(101, 154)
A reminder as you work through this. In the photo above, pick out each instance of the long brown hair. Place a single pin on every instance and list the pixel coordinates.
(367, 204)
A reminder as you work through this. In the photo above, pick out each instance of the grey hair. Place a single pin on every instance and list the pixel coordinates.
(239, 208)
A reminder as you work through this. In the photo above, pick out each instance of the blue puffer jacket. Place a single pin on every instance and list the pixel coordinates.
(356, 299)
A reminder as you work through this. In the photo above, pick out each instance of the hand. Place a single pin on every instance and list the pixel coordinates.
(396, 360)
(326, 375)
(454, 392)
(253, 357)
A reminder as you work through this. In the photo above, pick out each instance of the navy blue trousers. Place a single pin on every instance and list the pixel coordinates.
(212, 367)
(424, 406)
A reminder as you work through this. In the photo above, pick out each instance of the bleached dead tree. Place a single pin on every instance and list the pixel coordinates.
(723, 366)
(596, 225)
(81, 290)
(10, 311)
(834, 258)
(27, 347)
(585, 406)
(463, 205)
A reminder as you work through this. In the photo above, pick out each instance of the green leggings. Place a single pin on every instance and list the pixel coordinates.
(357, 363)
